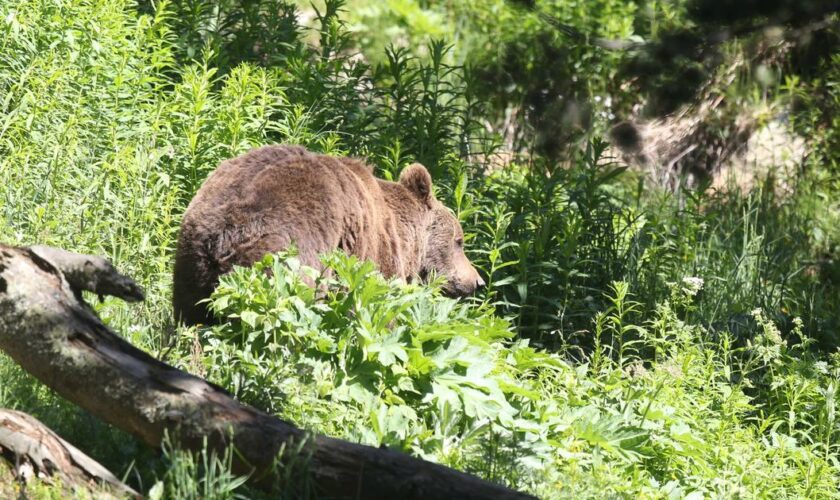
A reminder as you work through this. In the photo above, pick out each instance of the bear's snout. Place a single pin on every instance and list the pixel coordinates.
(476, 284)
(479, 284)
(465, 285)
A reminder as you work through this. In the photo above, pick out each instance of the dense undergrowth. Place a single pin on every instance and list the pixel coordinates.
(630, 342)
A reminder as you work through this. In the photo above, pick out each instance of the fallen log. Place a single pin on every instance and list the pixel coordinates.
(53, 334)
(34, 450)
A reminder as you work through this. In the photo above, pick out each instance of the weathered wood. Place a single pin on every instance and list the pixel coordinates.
(53, 334)
(35, 450)
(89, 273)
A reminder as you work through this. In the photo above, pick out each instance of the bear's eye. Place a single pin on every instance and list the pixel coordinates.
(459, 242)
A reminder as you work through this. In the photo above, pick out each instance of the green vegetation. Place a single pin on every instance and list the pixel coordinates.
(632, 341)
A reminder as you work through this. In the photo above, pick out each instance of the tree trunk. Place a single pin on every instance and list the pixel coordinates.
(56, 336)
(35, 450)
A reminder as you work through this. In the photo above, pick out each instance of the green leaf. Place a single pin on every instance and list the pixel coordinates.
(249, 318)
(389, 349)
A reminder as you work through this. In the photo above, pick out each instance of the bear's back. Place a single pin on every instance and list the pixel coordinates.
(268, 199)
(282, 181)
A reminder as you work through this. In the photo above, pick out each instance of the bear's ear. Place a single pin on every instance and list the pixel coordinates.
(416, 179)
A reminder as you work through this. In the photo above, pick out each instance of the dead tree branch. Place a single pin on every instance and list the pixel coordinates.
(35, 450)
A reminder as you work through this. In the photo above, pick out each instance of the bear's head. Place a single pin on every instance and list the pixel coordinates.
(444, 253)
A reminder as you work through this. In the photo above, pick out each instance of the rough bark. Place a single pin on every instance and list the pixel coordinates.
(35, 450)
(54, 335)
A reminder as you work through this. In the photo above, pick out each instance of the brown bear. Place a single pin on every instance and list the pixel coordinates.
(275, 196)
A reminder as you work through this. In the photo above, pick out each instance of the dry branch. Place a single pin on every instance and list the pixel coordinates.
(35, 450)
(54, 335)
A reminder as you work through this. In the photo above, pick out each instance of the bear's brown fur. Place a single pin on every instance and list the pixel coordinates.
(274, 196)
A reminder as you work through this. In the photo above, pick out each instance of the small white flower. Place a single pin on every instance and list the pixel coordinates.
(692, 285)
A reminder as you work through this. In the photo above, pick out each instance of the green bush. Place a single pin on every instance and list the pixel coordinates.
(446, 381)
(411, 368)
(542, 87)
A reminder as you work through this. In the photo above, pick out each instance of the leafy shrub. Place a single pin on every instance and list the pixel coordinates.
(570, 240)
(254, 31)
(442, 380)
(542, 88)
(412, 368)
